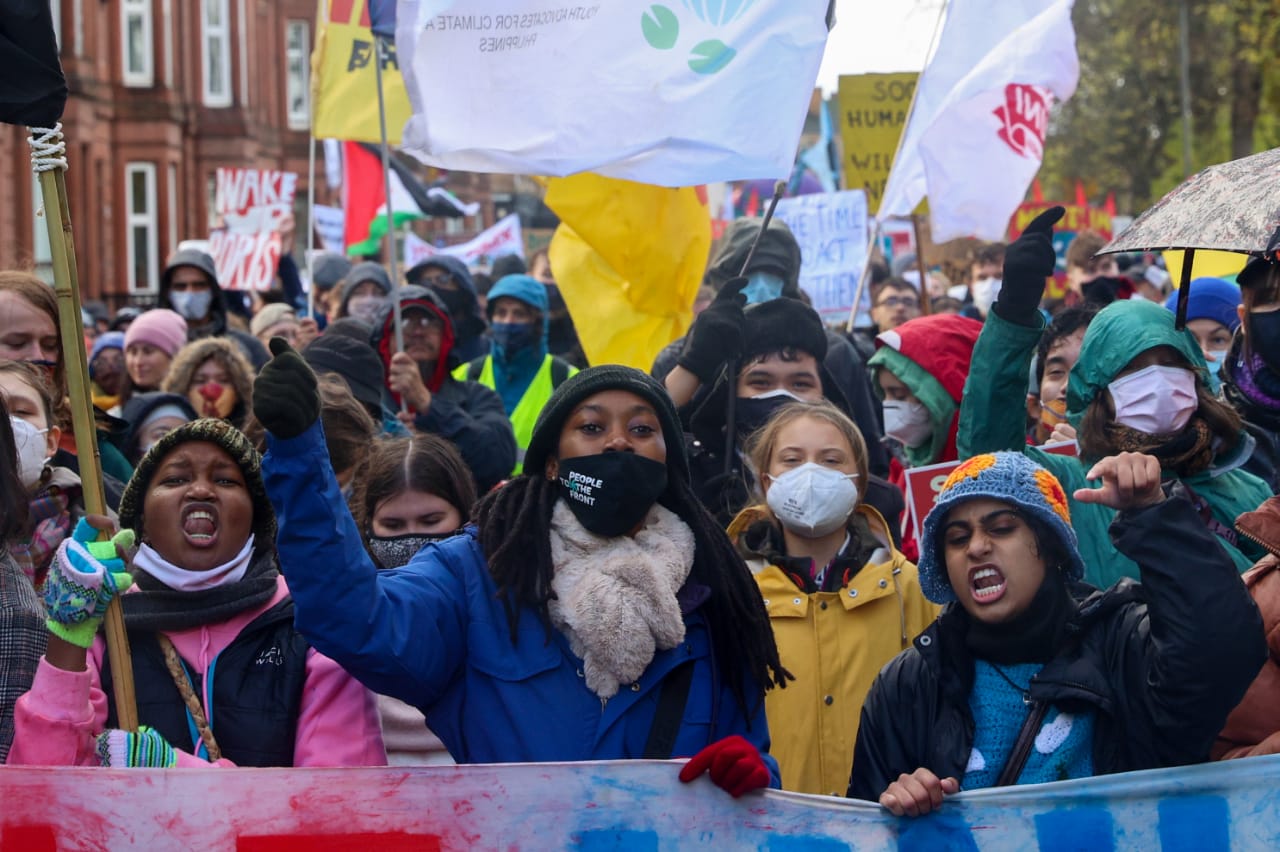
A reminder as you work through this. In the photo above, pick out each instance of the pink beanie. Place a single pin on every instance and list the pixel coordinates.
(162, 328)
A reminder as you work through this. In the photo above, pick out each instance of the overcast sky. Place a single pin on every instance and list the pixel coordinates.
(878, 35)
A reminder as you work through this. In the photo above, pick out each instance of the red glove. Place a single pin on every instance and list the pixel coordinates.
(735, 764)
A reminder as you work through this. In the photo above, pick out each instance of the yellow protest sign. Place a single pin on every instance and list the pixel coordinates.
(344, 87)
(873, 114)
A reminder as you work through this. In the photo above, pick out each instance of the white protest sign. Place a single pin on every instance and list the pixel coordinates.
(831, 228)
(250, 205)
(660, 93)
(330, 222)
(503, 238)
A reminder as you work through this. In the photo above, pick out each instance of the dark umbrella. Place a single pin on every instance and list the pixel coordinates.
(1232, 206)
(32, 88)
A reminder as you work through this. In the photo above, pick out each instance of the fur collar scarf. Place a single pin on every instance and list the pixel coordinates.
(615, 598)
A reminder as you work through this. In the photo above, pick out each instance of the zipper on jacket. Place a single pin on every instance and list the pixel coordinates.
(1272, 549)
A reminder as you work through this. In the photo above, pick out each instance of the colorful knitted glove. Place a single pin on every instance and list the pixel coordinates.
(734, 763)
(143, 749)
(83, 578)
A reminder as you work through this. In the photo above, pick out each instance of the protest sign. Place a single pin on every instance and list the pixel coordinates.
(831, 228)
(924, 483)
(330, 222)
(251, 206)
(656, 93)
(502, 238)
(1077, 218)
(873, 113)
(615, 805)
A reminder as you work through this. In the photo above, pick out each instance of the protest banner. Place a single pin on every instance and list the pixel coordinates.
(502, 238)
(656, 93)
(831, 228)
(924, 483)
(344, 81)
(251, 205)
(873, 113)
(615, 805)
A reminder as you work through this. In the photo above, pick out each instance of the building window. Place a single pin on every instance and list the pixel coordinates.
(166, 25)
(216, 37)
(141, 221)
(297, 53)
(171, 193)
(135, 40)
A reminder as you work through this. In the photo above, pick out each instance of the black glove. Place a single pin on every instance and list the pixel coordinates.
(1028, 262)
(285, 396)
(718, 333)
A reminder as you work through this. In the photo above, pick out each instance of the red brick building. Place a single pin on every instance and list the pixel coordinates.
(162, 93)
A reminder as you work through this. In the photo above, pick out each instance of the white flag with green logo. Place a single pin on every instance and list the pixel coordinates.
(675, 92)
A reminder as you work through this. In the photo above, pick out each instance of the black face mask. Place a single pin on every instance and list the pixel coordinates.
(610, 493)
(395, 551)
(751, 413)
(1102, 290)
(1264, 338)
(458, 302)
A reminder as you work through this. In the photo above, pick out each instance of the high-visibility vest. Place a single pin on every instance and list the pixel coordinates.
(525, 415)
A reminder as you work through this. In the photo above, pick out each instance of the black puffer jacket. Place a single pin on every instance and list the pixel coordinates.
(1162, 663)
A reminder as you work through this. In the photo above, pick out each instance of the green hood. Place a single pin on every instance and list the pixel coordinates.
(942, 408)
(1119, 333)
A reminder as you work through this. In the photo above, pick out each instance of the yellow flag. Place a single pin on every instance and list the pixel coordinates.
(629, 259)
(1215, 264)
(344, 83)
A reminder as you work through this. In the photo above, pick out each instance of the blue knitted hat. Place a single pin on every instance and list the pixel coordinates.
(1210, 298)
(1012, 478)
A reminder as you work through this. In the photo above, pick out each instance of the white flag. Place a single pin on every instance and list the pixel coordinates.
(976, 135)
(673, 93)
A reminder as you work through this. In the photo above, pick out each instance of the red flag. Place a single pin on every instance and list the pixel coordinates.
(753, 203)
(363, 191)
(1082, 200)
(1110, 204)
(1037, 194)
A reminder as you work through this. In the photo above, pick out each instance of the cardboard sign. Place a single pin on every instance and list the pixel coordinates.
(924, 483)
(831, 228)
(873, 114)
(250, 206)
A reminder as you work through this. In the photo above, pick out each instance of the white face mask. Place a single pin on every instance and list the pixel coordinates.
(365, 308)
(192, 304)
(812, 500)
(985, 291)
(1156, 400)
(32, 448)
(907, 422)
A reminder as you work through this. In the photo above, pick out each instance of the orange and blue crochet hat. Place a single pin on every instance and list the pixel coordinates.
(1012, 478)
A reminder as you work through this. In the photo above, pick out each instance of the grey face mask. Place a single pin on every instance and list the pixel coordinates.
(395, 551)
(191, 304)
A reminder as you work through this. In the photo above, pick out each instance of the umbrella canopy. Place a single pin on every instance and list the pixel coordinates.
(32, 88)
(1232, 206)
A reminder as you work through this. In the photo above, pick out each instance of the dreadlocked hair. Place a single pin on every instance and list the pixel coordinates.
(513, 522)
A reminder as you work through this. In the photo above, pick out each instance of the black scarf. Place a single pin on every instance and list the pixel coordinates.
(764, 539)
(1034, 635)
(155, 606)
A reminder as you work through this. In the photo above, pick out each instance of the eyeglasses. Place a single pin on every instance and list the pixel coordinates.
(408, 322)
(438, 279)
(898, 302)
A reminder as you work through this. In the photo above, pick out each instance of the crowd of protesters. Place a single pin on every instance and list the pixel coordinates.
(475, 547)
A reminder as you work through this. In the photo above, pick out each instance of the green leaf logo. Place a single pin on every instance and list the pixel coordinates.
(661, 27)
(711, 56)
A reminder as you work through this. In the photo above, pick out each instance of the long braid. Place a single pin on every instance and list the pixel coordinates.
(513, 523)
(513, 533)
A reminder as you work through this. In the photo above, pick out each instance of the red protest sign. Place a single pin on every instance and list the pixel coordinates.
(251, 206)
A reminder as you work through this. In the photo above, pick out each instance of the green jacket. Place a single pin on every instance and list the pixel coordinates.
(993, 417)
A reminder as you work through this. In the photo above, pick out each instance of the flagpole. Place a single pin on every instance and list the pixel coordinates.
(911, 108)
(392, 261)
(311, 229)
(48, 158)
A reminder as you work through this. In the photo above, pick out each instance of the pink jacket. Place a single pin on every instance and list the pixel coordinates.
(57, 721)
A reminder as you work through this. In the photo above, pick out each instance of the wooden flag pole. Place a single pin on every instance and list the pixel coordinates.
(48, 157)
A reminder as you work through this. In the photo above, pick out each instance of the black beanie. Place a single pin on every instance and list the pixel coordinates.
(356, 362)
(782, 324)
(236, 445)
(546, 433)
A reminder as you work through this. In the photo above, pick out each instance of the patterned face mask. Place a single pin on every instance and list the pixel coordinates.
(395, 551)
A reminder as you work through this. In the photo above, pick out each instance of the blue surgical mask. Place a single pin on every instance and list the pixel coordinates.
(1215, 368)
(513, 336)
(191, 304)
(762, 287)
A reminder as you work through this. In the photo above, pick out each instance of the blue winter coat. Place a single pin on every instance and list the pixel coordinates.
(434, 634)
